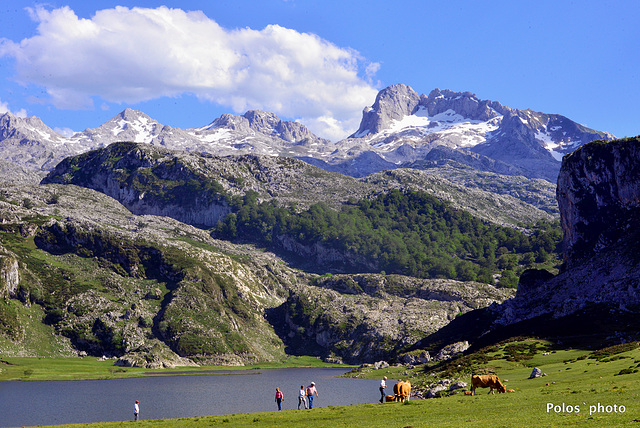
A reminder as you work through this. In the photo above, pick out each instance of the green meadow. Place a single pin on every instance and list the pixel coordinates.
(581, 388)
(92, 368)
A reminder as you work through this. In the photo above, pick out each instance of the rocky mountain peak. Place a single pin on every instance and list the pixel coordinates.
(128, 125)
(266, 123)
(8, 124)
(392, 103)
(262, 120)
(30, 127)
(130, 114)
(466, 104)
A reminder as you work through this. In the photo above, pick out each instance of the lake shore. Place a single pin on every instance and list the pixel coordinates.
(582, 387)
(93, 368)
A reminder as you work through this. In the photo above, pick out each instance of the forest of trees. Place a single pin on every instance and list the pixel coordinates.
(409, 233)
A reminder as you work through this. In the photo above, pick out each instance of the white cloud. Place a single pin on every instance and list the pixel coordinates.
(132, 55)
(4, 108)
(65, 132)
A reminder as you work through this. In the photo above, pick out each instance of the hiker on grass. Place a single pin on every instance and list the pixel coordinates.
(383, 385)
(279, 398)
(302, 397)
(311, 389)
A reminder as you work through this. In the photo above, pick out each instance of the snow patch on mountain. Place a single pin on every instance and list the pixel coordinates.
(552, 146)
(453, 129)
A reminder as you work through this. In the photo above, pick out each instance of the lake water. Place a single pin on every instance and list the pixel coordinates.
(66, 402)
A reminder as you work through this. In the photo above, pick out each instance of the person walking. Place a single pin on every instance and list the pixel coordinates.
(311, 389)
(136, 410)
(279, 398)
(302, 397)
(383, 385)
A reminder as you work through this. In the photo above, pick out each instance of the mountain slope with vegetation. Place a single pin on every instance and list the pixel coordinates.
(410, 233)
(80, 274)
(196, 188)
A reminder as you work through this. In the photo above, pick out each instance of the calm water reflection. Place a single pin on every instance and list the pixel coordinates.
(65, 402)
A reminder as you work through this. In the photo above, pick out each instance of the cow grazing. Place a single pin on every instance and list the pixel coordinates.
(402, 391)
(390, 398)
(487, 381)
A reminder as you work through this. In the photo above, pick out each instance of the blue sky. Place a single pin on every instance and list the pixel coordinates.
(76, 64)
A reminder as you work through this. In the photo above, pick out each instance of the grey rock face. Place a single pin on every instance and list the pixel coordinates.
(265, 123)
(9, 274)
(598, 194)
(392, 103)
(449, 351)
(464, 103)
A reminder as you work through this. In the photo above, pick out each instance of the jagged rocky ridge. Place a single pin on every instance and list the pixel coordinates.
(32, 144)
(400, 130)
(195, 187)
(403, 127)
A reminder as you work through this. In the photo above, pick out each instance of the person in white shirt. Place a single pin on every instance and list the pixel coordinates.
(136, 411)
(383, 385)
(302, 397)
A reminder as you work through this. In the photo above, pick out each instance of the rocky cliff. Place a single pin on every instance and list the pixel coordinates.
(599, 199)
(372, 317)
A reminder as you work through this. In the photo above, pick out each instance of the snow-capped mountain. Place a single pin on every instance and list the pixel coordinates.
(30, 143)
(259, 132)
(256, 132)
(402, 126)
(401, 129)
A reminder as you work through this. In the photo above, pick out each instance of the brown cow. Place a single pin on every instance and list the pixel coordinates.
(389, 398)
(487, 381)
(467, 393)
(402, 391)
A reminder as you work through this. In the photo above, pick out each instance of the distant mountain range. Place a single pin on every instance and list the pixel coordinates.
(400, 130)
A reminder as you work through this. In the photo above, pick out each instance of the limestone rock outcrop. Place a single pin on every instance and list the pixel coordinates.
(9, 274)
(599, 198)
